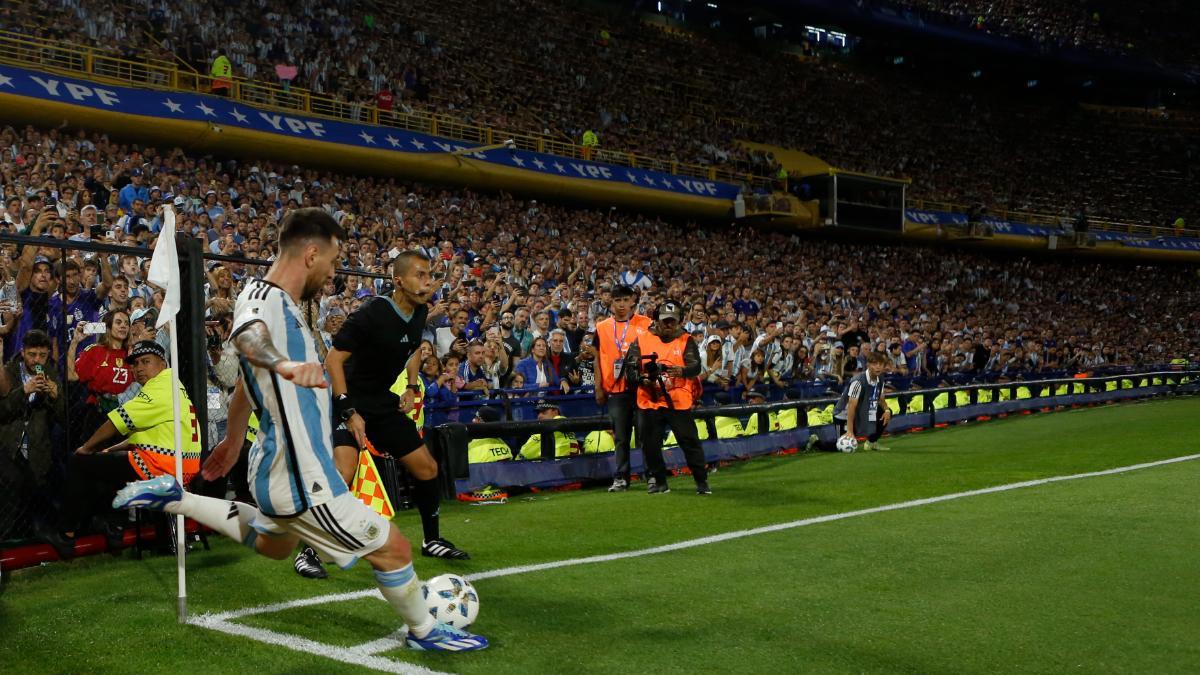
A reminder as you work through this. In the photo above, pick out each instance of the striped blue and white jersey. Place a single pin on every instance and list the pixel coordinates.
(291, 466)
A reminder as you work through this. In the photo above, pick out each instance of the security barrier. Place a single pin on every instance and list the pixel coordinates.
(913, 409)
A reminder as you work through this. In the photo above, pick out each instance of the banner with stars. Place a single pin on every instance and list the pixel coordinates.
(204, 108)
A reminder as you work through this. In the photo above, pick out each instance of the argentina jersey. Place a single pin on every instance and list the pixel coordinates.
(291, 467)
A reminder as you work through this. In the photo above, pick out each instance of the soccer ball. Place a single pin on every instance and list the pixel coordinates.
(847, 444)
(451, 599)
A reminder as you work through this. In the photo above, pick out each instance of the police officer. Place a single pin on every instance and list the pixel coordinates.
(862, 412)
(664, 364)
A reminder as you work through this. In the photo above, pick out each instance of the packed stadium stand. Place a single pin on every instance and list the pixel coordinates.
(775, 309)
(683, 97)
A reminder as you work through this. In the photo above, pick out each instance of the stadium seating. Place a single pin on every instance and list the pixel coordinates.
(689, 98)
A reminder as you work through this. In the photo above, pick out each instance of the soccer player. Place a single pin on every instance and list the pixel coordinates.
(292, 475)
(378, 342)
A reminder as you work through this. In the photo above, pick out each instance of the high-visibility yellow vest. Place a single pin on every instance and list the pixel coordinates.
(1126, 384)
(752, 424)
(941, 401)
(1079, 388)
(565, 445)
(1156, 381)
(893, 405)
(484, 450)
(962, 398)
(1023, 392)
(1005, 394)
(728, 427)
(590, 139)
(789, 419)
(221, 67)
(1111, 385)
(1062, 390)
(701, 432)
(599, 441)
(916, 403)
(983, 396)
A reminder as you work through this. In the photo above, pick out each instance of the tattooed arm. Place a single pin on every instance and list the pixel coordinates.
(254, 343)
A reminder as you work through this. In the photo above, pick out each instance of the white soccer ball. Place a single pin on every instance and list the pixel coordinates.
(451, 599)
(847, 443)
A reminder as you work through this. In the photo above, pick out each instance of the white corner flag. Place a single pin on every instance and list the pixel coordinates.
(164, 273)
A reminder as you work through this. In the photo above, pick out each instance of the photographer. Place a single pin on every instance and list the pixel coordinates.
(29, 406)
(222, 373)
(664, 364)
(614, 336)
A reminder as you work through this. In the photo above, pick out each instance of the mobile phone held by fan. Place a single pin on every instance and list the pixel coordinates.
(94, 328)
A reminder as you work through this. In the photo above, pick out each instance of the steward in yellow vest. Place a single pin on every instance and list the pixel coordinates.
(565, 442)
(484, 450)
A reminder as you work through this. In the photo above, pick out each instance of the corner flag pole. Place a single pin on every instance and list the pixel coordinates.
(164, 272)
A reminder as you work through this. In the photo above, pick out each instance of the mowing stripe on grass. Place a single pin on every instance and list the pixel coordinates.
(362, 654)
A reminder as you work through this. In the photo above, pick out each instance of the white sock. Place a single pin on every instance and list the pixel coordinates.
(231, 519)
(402, 589)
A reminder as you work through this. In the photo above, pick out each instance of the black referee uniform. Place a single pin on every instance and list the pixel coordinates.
(380, 341)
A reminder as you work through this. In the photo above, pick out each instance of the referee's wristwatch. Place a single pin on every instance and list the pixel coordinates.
(344, 407)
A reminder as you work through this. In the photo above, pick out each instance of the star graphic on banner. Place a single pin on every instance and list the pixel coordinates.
(417, 144)
(206, 110)
(367, 137)
(392, 140)
(650, 181)
(519, 162)
(539, 163)
(6, 81)
(173, 106)
(560, 168)
(238, 115)
(632, 178)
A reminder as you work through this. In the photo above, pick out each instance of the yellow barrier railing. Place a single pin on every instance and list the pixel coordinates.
(55, 55)
(1047, 219)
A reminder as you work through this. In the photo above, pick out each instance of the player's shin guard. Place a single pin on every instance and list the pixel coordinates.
(402, 589)
(231, 519)
(428, 498)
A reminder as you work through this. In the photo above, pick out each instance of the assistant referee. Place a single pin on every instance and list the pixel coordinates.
(378, 342)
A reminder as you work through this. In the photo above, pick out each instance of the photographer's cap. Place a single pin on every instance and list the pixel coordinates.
(669, 310)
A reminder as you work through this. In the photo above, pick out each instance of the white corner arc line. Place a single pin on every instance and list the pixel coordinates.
(343, 654)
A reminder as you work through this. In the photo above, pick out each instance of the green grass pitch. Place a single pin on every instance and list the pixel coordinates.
(1094, 575)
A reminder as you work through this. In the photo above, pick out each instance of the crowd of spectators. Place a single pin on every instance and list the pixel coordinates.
(685, 97)
(521, 285)
(521, 282)
(1155, 30)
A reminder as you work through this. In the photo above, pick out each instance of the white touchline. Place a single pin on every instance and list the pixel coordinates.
(361, 654)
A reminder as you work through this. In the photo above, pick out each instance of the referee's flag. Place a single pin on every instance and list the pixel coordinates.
(164, 268)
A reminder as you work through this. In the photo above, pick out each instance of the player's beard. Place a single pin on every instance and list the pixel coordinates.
(313, 284)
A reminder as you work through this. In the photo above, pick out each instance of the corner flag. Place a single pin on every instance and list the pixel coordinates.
(164, 273)
(164, 269)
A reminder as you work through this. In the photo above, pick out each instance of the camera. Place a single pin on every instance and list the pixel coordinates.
(651, 368)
